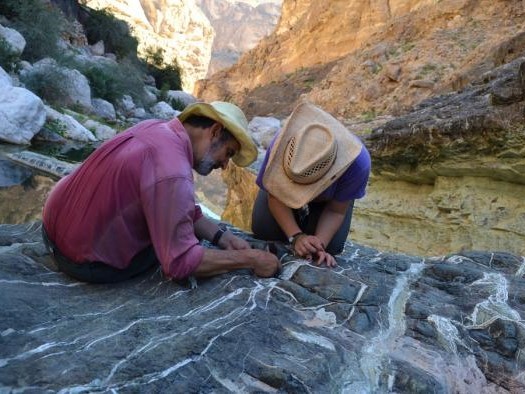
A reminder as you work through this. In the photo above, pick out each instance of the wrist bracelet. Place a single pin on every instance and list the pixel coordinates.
(217, 236)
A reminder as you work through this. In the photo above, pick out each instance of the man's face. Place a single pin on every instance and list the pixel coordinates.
(218, 155)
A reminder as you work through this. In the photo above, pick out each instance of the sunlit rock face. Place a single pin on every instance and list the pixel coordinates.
(178, 27)
(358, 58)
(378, 322)
(239, 26)
(448, 176)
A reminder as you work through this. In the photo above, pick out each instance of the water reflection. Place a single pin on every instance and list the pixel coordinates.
(22, 193)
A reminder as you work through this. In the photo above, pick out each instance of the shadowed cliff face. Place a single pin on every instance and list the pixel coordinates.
(379, 322)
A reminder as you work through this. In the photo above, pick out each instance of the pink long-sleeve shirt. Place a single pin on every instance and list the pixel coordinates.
(134, 191)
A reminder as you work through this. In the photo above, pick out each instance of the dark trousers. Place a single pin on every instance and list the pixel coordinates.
(264, 226)
(98, 272)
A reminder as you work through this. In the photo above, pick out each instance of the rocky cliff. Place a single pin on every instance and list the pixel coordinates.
(362, 59)
(179, 28)
(238, 27)
(202, 35)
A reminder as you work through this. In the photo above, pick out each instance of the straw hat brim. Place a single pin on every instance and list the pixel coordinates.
(234, 120)
(275, 180)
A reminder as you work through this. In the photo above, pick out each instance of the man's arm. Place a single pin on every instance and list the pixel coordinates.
(205, 228)
(214, 262)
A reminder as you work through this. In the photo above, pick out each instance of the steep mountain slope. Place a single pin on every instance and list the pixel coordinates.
(367, 58)
(238, 26)
(179, 28)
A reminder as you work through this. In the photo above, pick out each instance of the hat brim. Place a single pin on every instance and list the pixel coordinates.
(247, 153)
(296, 195)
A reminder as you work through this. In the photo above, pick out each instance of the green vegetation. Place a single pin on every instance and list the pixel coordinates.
(369, 115)
(167, 76)
(111, 81)
(48, 83)
(116, 33)
(40, 23)
(8, 59)
(55, 126)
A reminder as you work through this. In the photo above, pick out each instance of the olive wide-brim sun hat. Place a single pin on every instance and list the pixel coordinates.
(312, 151)
(234, 120)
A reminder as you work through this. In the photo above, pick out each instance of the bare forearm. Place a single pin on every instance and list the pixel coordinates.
(205, 228)
(331, 220)
(216, 262)
(329, 223)
(283, 216)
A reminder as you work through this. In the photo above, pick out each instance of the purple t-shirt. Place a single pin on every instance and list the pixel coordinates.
(350, 186)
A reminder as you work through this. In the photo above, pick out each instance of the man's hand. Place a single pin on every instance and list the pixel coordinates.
(264, 264)
(230, 241)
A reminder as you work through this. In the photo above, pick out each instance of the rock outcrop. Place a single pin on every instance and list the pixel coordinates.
(377, 323)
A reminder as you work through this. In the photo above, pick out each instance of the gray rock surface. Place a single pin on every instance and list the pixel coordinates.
(377, 323)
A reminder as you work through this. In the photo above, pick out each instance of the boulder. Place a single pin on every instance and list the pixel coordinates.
(66, 87)
(68, 127)
(163, 110)
(183, 99)
(14, 39)
(263, 129)
(104, 109)
(101, 131)
(22, 113)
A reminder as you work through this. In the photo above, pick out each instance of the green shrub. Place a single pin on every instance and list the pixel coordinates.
(111, 81)
(48, 83)
(40, 23)
(167, 76)
(8, 59)
(116, 34)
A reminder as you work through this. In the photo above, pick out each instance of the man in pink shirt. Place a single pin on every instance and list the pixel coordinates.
(131, 204)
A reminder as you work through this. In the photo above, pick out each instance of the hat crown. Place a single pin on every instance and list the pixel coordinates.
(309, 154)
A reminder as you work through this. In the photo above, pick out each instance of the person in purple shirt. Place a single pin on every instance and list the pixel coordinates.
(130, 205)
(313, 171)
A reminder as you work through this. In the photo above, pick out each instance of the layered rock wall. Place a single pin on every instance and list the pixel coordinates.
(448, 176)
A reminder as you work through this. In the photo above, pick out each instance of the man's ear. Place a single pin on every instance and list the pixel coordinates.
(216, 130)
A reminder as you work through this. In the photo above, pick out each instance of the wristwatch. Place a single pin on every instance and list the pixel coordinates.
(293, 238)
(218, 235)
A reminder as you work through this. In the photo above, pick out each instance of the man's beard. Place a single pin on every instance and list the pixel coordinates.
(207, 164)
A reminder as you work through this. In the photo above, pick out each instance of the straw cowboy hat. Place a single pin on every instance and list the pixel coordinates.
(311, 152)
(233, 119)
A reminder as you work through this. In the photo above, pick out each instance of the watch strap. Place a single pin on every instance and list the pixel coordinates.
(217, 236)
